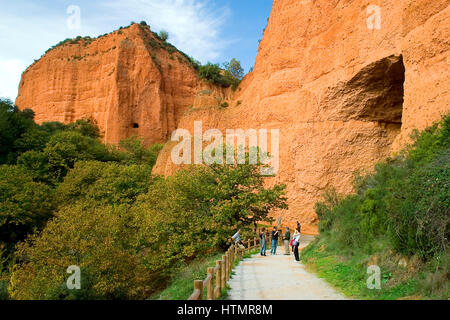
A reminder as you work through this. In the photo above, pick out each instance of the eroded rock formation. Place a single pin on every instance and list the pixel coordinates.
(345, 81)
(127, 81)
(344, 91)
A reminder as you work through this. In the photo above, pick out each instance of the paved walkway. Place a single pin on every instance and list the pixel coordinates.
(278, 277)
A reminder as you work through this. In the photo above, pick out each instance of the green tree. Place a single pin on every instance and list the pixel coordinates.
(164, 35)
(13, 124)
(25, 205)
(235, 69)
(104, 183)
(137, 153)
(103, 241)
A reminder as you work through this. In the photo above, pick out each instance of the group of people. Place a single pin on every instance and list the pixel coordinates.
(293, 243)
(263, 235)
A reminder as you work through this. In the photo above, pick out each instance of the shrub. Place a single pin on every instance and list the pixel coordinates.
(128, 233)
(163, 35)
(405, 201)
(213, 74)
(102, 241)
(25, 206)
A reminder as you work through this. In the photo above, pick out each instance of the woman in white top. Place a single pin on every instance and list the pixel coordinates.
(296, 243)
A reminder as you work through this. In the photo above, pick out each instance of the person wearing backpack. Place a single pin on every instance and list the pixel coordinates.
(263, 241)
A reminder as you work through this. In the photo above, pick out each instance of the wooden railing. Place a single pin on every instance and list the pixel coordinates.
(217, 278)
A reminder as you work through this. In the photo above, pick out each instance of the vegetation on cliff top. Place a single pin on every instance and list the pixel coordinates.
(398, 219)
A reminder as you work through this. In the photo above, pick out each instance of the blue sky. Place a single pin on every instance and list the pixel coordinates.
(209, 30)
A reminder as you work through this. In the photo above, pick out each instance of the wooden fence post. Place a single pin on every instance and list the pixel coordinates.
(223, 271)
(228, 264)
(198, 285)
(210, 286)
(249, 246)
(254, 240)
(218, 289)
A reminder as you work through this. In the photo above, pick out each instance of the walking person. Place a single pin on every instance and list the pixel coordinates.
(296, 243)
(273, 248)
(286, 238)
(237, 239)
(263, 241)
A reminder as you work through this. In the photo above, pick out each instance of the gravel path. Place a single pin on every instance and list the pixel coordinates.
(278, 277)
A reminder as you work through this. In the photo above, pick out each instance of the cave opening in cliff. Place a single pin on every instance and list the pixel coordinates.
(136, 125)
(374, 94)
(380, 91)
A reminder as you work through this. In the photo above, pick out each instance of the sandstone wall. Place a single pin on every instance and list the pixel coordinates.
(343, 92)
(343, 95)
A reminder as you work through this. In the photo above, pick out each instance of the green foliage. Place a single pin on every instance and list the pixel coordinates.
(181, 285)
(401, 211)
(235, 69)
(117, 222)
(137, 153)
(13, 124)
(25, 205)
(348, 273)
(213, 74)
(98, 183)
(102, 241)
(231, 76)
(406, 201)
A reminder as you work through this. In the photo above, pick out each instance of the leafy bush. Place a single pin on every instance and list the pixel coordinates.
(102, 241)
(405, 201)
(25, 205)
(104, 183)
(128, 231)
(163, 35)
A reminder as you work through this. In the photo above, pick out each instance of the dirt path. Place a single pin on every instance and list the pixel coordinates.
(278, 277)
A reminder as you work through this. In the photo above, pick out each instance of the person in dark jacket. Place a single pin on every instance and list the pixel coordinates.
(263, 241)
(273, 248)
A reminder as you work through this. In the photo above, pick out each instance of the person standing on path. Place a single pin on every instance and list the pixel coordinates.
(296, 243)
(273, 248)
(286, 239)
(263, 241)
(237, 239)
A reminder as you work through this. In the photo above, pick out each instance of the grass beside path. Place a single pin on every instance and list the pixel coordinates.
(348, 274)
(182, 284)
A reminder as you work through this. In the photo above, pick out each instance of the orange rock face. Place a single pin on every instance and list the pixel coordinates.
(124, 81)
(344, 85)
(345, 82)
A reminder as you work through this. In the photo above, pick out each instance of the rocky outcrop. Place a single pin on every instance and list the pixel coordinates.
(345, 82)
(344, 86)
(130, 82)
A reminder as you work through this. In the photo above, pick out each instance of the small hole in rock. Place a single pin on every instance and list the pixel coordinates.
(135, 125)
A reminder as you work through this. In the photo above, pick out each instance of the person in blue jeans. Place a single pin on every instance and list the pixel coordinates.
(263, 238)
(273, 249)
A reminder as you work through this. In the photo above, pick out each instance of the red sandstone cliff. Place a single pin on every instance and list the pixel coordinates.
(343, 93)
(127, 81)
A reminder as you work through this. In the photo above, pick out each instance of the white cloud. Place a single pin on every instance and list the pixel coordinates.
(194, 26)
(11, 71)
